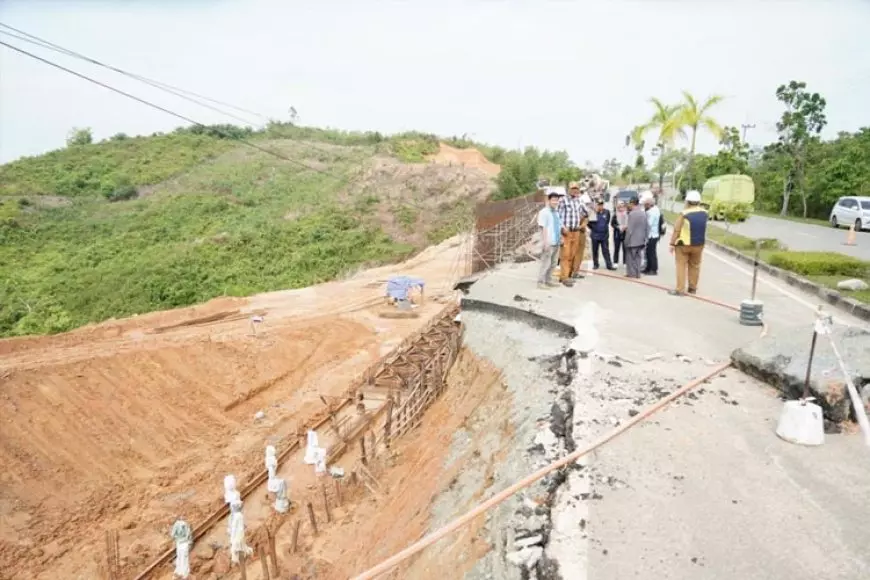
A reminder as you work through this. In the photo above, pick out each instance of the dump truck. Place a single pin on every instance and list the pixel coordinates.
(729, 197)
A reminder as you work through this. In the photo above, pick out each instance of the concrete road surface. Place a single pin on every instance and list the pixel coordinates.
(796, 235)
(704, 489)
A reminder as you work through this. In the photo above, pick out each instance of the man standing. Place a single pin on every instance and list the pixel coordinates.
(573, 217)
(654, 217)
(618, 222)
(687, 242)
(636, 236)
(551, 234)
(600, 232)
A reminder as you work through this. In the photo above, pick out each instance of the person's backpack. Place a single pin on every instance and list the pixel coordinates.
(663, 226)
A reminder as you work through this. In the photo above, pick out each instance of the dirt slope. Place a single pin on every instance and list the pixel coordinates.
(129, 423)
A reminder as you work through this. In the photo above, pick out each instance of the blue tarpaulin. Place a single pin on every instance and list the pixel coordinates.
(398, 286)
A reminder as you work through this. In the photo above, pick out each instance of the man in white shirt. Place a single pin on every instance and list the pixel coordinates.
(551, 238)
(654, 217)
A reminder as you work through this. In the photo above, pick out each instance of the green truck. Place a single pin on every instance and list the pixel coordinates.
(729, 197)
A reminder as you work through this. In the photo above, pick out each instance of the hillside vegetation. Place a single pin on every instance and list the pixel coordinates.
(132, 225)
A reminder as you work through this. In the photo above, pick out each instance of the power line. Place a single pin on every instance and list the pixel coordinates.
(167, 111)
(177, 91)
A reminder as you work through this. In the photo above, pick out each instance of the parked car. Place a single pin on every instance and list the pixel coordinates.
(850, 211)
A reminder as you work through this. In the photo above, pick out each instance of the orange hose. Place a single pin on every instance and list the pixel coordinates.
(506, 493)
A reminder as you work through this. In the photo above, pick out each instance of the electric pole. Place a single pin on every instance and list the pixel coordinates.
(745, 126)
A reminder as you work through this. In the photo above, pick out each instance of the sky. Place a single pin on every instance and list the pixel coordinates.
(558, 74)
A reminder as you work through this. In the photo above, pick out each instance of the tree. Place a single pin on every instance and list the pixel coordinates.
(77, 136)
(733, 157)
(611, 169)
(666, 121)
(696, 115)
(803, 120)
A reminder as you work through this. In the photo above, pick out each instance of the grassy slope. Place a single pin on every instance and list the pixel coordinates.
(746, 246)
(244, 223)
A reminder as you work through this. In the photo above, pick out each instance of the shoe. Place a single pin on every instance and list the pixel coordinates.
(611, 268)
(675, 293)
(595, 267)
(693, 290)
(552, 285)
(543, 286)
(566, 282)
(577, 276)
(651, 273)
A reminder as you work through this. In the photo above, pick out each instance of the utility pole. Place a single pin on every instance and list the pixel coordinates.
(745, 126)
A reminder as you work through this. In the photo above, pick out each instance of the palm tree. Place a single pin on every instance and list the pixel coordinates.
(695, 115)
(666, 119)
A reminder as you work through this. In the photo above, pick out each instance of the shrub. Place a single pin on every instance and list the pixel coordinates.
(122, 192)
(820, 264)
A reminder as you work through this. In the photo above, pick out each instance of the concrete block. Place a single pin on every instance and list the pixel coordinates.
(781, 361)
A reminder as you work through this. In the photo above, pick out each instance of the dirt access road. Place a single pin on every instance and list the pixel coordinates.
(128, 424)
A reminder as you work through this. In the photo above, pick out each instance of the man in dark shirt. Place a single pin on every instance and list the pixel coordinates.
(600, 234)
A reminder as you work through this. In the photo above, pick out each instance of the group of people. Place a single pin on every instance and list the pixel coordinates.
(635, 228)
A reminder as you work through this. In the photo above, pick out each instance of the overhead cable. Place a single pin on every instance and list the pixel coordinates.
(177, 91)
(165, 110)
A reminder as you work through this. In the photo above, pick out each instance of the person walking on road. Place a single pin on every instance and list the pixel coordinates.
(551, 237)
(618, 222)
(636, 236)
(687, 243)
(573, 217)
(599, 232)
(654, 217)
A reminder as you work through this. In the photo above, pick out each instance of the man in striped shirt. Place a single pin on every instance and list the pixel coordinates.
(574, 217)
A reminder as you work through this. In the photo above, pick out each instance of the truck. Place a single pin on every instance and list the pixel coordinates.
(729, 196)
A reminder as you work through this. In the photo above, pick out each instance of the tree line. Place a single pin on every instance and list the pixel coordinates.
(798, 174)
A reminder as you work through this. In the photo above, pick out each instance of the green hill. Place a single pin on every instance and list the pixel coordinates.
(132, 225)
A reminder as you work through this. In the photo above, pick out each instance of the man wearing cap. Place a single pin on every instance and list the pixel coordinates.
(574, 217)
(636, 236)
(599, 233)
(551, 237)
(687, 243)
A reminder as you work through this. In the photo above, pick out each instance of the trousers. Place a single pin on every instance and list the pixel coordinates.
(633, 257)
(604, 247)
(573, 249)
(618, 242)
(652, 256)
(688, 259)
(548, 262)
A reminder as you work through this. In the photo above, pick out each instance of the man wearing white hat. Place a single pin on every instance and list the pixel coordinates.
(687, 243)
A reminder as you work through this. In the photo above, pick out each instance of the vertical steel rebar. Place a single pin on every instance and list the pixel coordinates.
(810, 364)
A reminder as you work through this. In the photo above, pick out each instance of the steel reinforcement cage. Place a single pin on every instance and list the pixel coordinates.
(501, 227)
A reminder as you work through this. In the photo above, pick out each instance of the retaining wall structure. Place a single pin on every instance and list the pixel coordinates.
(501, 227)
(389, 398)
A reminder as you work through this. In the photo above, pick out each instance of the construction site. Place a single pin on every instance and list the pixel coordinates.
(431, 421)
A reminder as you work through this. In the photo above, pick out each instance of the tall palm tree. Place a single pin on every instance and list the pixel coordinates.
(667, 120)
(693, 114)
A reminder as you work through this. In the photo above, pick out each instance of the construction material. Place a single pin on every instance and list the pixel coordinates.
(801, 422)
(183, 537)
(113, 556)
(238, 546)
(271, 469)
(312, 519)
(273, 553)
(857, 402)
(326, 504)
(294, 545)
(282, 502)
(264, 565)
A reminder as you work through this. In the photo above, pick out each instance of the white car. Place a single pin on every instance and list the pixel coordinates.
(851, 211)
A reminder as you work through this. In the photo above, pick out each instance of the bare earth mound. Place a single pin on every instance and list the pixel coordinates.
(127, 424)
(448, 155)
